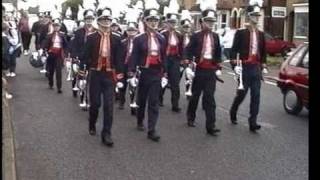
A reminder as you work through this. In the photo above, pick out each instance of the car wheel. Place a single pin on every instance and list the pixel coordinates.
(291, 102)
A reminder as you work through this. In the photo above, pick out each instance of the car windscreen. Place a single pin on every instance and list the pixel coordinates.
(296, 57)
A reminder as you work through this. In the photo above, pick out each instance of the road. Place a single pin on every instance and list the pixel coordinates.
(52, 140)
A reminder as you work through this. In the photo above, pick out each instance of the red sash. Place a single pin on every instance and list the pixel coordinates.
(152, 60)
(172, 50)
(207, 64)
(252, 59)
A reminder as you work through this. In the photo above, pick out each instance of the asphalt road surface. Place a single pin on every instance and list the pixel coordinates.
(52, 140)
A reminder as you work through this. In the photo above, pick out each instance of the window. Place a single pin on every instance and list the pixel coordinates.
(296, 57)
(305, 61)
(223, 20)
(301, 21)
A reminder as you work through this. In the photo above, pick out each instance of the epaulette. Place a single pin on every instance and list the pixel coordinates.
(123, 40)
(163, 31)
(61, 32)
(197, 31)
(116, 34)
(138, 35)
(89, 34)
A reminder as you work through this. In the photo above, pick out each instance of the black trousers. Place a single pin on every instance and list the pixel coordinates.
(26, 39)
(54, 65)
(251, 79)
(204, 80)
(148, 90)
(100, 84)
(122, 91)
(174, 76)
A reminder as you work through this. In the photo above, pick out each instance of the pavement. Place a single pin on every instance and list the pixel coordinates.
(52, 141)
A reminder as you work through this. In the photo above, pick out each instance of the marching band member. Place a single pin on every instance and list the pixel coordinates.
(80, 37)
(103, 56)
(131, 31)
(173, 45)
(149, 54)
(186, 33)
(56, 44)
(205, 47)
(250, 44)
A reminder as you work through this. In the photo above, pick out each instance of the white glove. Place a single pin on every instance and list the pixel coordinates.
(238, 70)
(119, 85)
(189, 73)
(164, 82)
(218, 72)
(265, 71)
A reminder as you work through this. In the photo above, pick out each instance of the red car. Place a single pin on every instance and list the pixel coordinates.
(294, 80)
(277, 46)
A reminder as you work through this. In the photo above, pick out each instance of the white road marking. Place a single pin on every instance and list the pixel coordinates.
(267, 82)
(271, 83)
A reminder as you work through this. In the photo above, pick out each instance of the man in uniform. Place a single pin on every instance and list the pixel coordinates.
(103, 56)
(173, 46)
(56, 45)
(250, 44)
(186, 34)
(131, 31)
(80, 37)
(149, 54)
(205, 47)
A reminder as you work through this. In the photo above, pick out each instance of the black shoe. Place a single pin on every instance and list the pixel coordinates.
(121, 106)
(213, 131)
(253, 128)
(153, 136)
(92, 130)
(106, 140)
(191, 124)
(176, 109)
(59, 91)
(140, 127)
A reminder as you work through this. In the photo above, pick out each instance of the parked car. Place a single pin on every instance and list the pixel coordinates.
(293, 80)
(275, 45)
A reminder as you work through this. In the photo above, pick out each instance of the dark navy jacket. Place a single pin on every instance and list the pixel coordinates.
(91, 52)
(76, 44)
(194, 48)
(241, 43)
(140, 51)
(165, 33)
(47, 42)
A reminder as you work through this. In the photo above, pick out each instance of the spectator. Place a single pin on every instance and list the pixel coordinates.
(24, 28)
(14, 49)
(36, 30)
(228, 41)
(5, 56)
